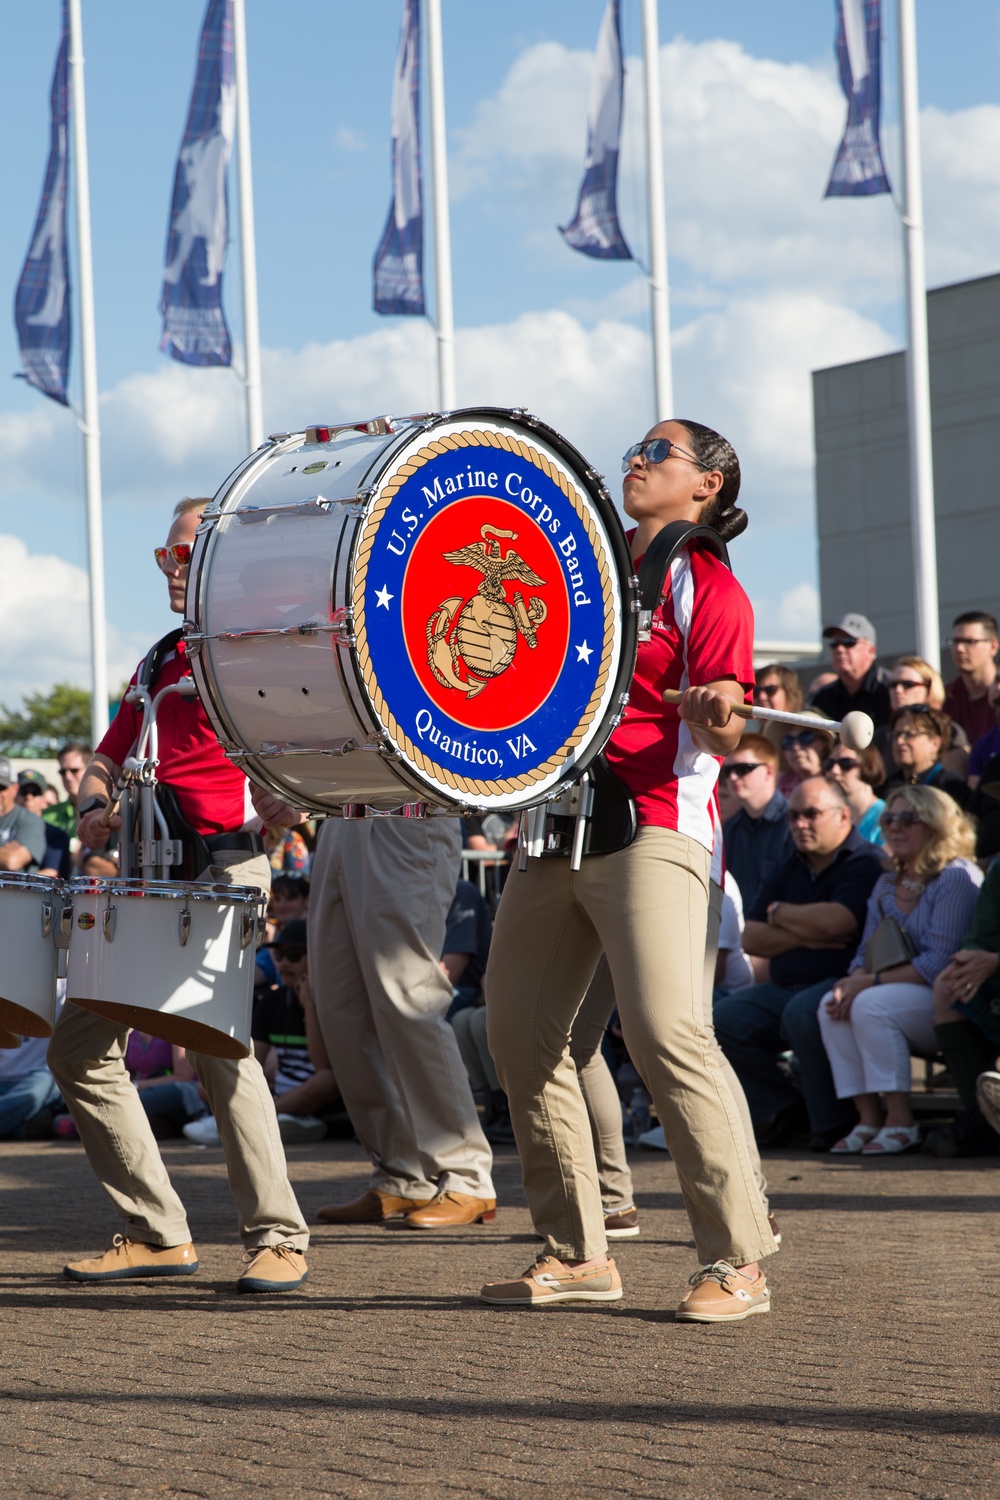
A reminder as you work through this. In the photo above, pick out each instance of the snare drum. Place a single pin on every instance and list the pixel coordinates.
(30, 913)
(172, 959)
(434, 609)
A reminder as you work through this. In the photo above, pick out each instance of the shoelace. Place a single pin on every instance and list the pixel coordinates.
(719, 1271)
(283, 1252)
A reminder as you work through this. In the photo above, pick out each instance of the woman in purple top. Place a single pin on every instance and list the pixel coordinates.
(871, 1020)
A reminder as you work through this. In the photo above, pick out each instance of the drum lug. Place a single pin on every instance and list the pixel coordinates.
(47, 919)
(109, 921)
(315, 505)
(184, 926)
(248, 929)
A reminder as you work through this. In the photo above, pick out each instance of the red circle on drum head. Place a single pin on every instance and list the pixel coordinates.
(485, 612)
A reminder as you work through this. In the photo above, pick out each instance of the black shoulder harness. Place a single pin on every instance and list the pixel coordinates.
(155, 657)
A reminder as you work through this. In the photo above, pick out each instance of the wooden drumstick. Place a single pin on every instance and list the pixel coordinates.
(856, 729)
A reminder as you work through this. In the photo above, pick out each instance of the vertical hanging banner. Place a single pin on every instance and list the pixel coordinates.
(398, 268)
(858, 170)
(42, 301)
(194, 325)
(595, 229)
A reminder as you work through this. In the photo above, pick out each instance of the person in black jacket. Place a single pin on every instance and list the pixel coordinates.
(919, 735)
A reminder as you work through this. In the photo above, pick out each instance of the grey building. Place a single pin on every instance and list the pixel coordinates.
(862, 473)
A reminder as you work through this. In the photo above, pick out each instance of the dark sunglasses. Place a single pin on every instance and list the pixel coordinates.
(290, 955)
(907, 819)
(177, 556)
(809, 813)
(766, 689)
(805, 738)
(907, 682)
(741, 768)
(840, 763)
(848, 642)
(654, 451)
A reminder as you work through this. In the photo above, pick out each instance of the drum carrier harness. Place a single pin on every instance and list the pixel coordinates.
(157, 841)
(597, 814)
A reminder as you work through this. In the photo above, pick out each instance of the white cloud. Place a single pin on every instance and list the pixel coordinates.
(794, 617)
(44, 624)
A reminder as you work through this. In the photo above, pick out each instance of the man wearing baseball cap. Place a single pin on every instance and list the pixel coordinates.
(860, 685)
(22, 834)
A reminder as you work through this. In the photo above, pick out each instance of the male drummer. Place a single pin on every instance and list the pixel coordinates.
(86, 1054)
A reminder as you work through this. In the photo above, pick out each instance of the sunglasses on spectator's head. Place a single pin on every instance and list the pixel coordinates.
(907, 819)
(741, 768)
(177, 556)
(804, 738)
(654, 451)
(841, 762)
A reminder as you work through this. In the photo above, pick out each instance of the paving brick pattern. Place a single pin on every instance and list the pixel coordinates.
(876, 1374)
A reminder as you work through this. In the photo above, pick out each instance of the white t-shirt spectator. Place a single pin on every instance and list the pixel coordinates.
(739, 970)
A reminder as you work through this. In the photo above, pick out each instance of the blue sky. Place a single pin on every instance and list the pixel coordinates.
(767, 281)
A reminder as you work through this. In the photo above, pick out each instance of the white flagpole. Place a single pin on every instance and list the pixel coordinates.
(445, 322)
(659, 288)
(918, 391)
(248, 244)
(88, 363)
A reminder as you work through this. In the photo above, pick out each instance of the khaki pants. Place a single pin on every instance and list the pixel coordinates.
(379, 895)
(600, 1096)
(647, 908)
(87, 1059)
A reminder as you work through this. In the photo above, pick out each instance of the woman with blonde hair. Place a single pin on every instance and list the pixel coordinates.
(918, 913)
(914, 683)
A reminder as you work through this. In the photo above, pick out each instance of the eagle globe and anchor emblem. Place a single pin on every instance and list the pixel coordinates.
(481, 633)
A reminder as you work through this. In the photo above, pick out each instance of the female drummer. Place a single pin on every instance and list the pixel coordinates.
(646, 907)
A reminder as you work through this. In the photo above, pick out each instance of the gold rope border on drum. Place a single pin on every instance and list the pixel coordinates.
(476, 438)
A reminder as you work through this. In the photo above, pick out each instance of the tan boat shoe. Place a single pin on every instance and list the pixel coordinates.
(721, 1294)
(273, 1268)
(133, 1260)
(549, 1281)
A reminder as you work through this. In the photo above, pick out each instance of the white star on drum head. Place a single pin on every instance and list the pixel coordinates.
(383, 596)
(584, 653)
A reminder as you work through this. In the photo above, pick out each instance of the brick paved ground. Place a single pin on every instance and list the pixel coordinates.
(876, 1374)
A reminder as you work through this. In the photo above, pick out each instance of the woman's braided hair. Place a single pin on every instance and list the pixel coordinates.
(713, 451)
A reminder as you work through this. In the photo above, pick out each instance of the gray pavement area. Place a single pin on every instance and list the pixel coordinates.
(875, 1374)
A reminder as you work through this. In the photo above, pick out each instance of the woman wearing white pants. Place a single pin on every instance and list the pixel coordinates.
(873, 1019)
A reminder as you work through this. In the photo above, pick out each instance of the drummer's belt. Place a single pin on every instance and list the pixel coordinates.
(600, 805)
(251, 842)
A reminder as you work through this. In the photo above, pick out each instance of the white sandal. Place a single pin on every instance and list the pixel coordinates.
(854, 1141)
(892, 1140)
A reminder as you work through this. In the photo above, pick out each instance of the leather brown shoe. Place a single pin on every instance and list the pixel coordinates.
(372, 1207)
(623, 1224)
(132, 1260)
(447, 1210)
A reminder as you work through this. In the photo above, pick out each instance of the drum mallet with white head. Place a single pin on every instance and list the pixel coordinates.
(856, 729)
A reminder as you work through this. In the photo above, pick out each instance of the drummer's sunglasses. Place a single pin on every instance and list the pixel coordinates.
(654, 451)
(179, 553)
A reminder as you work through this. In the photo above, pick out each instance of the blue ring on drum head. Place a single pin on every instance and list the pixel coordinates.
(521, 747)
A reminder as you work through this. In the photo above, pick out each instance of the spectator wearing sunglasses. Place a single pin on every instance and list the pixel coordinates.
(776, 687)
(756, 839)
(73, 761)
(874, 1017)
(802, 753)
(974, 645)
(22, 833)
(805, 921)
(858, 773)
(861, 685)
(914, 683)
(919, 735)
(31, 794)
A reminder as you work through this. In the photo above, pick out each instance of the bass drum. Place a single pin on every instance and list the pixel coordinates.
(436, 609)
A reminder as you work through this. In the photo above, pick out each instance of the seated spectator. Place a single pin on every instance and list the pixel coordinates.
(733, 969)
(777, 687)
(884, 1008)
(913, 682)
(803, 752)
(988, 745)
(288, 902)
(919, 735)
(860, 685)
(756, 838)
(27, 1089)
(467, 935)
(290, 850)
(817, 684)
(74, 759)
(974, 646)
(967, 1024)
(858, 773)
(22, 833)
(31, 794)
(806, 920)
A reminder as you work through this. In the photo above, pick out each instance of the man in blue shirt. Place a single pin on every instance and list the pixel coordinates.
(757, 839)
(806, 921)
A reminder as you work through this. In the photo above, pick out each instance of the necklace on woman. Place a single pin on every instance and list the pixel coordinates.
(915, 887)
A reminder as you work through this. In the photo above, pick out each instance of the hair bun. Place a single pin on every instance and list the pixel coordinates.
(731, 523)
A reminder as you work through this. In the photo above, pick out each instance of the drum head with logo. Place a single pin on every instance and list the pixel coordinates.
(492, 610)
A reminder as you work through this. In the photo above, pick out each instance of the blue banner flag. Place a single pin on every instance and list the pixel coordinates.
(595, 229)
(194, 325)
(859, 170)
(42, 303)
(398, 268)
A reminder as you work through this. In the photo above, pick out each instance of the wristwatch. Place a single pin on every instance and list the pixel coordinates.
(90, 805)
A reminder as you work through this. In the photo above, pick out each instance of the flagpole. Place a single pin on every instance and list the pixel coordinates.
(917, 363)
(248, 244)
(659, 287)
(445, 322)
(88, 365)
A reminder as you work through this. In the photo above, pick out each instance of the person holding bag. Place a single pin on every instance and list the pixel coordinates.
(917, 914)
